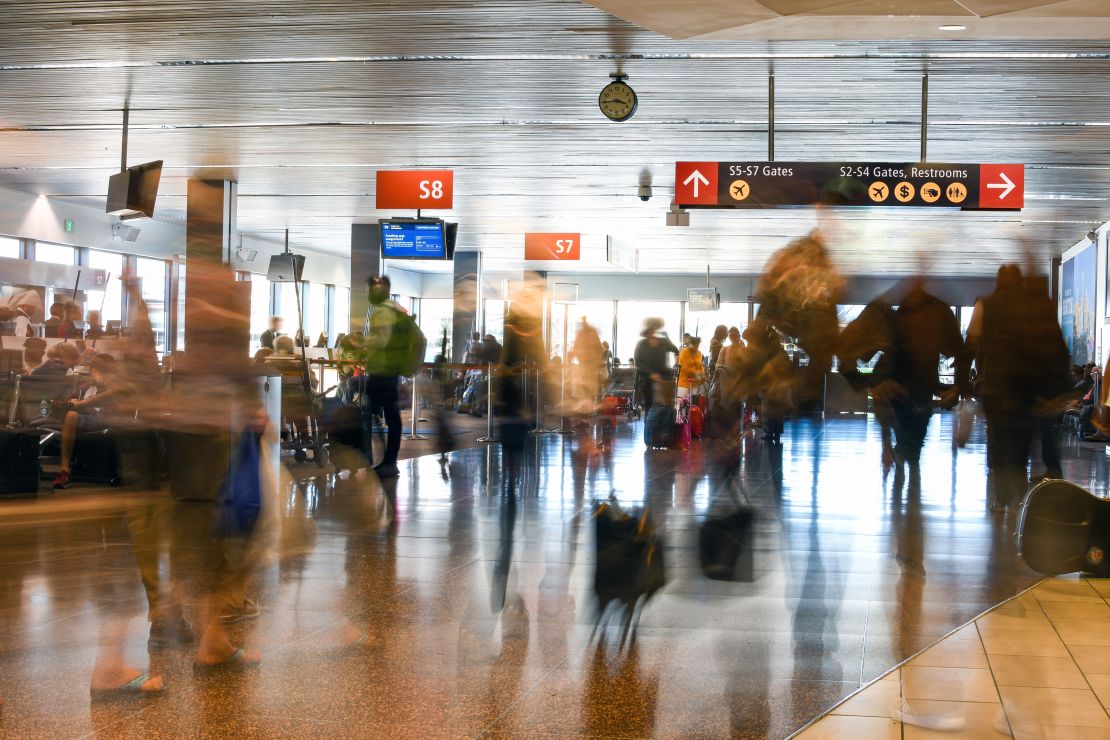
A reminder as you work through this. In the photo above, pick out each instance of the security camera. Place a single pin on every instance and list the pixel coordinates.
(644, 191)
(1092, 235)
(123, 232)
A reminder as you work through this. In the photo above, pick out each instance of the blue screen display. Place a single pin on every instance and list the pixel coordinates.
(421, 240)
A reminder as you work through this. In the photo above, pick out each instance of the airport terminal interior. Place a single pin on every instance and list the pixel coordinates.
(555, 368)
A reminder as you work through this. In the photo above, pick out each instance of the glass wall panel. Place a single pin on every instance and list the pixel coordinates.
(341, 313)
(181, 306)
(435, 318)
(287, 307)
(260, 308)
(599, 314)
(58, 254)
(152, 273)
(702, 323)
(316, 312)
(9, 247)
(494, 313)
(630, 322)
(112, 296)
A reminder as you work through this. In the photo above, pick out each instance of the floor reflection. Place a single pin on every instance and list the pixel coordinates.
(441, 605)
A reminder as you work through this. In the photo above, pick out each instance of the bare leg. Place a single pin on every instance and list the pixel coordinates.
(69, 439)
(111, 669)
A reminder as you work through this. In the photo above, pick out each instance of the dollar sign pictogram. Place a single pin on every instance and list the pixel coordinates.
(904, 191)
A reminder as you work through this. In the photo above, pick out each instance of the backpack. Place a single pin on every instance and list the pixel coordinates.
(407, 346)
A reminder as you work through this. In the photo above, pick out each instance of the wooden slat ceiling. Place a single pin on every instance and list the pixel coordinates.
(303, 102)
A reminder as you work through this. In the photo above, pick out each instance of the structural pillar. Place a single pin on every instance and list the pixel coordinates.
(466, 297)
(211, 232)
(366, 262)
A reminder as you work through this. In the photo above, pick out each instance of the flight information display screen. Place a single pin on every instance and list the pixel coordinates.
(414, 240)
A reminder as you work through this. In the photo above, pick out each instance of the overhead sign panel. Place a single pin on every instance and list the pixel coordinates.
(414, 189)
(552, 246)
(771, 184)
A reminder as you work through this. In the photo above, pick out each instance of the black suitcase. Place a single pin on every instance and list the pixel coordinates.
(19, 462)
(1064, 529)
(95, 459)
(725, 546)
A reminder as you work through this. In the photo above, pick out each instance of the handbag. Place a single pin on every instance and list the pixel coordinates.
(241, 493)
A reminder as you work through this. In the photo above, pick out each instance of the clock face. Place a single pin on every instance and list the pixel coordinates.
(617, 101)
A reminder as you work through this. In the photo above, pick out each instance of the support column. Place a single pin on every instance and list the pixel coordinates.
(366, 262)
(210, 236)
(466, 297)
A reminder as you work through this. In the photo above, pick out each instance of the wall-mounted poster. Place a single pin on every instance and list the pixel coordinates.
(1077, 305)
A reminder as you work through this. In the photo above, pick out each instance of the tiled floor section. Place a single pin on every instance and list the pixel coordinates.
(1038, 666)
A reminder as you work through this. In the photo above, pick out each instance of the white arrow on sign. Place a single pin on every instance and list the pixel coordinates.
(1006, 186)
(696, 177)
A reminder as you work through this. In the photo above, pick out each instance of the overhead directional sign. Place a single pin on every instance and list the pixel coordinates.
(414, 189)
(770, 184)
(552, 246)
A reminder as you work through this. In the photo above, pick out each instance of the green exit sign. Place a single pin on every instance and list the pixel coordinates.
(69, 226)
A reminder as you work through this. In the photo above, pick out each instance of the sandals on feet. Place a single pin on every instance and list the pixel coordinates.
(237, 661)
(131, 690)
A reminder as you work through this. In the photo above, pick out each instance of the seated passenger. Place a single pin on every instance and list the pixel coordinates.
(60, 360)
(286, 359)
(85, 413)
(261, 355)
(33, 350)
(96, 328)
(58, 326)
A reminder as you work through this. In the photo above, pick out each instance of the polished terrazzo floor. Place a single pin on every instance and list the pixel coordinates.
(850, 578)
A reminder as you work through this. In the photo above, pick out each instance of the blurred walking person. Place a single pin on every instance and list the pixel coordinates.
(652, 360)
(1022, 362)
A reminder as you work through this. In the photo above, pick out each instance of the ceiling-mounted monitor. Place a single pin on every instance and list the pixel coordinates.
(285, 268)
(702, 299)
(132, 193)
(415, 239)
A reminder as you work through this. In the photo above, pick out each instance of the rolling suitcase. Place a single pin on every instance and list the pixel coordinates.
(659, 426)
(19, 462)
(682, 431)
(697, 422)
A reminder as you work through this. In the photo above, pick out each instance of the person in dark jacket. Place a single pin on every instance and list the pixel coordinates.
(267, 338)
(1022, 362)
(653, 363)
(58, 326)
(926, 330)
(60, 359)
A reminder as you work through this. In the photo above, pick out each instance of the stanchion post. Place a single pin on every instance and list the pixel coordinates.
(414, 421)
(489, 438)
(540, 428)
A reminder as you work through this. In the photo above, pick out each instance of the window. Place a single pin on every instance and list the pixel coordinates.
(436, 317)
(316, 312)
(260, 308)
(630, 322)
(341, 313)
(152, 273)
(599, 314)
(494, 317)
(702, 323)
(287, 308)
(9, 247)
(181, 305)
(110, 297)
(58, 254)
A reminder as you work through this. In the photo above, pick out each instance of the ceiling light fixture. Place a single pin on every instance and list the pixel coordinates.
(952, 27)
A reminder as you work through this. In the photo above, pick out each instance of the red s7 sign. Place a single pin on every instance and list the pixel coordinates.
(547, 246)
